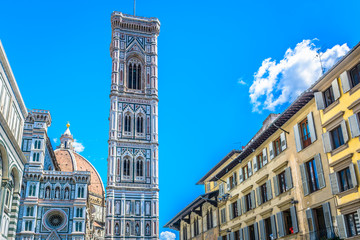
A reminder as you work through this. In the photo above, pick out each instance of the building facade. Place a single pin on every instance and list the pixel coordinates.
(59, 187)
(12, 116)
(338, 100)
(132, 189)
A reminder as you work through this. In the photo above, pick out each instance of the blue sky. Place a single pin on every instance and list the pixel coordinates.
(209, 52)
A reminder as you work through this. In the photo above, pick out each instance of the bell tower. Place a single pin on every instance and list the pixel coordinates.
(132, 189)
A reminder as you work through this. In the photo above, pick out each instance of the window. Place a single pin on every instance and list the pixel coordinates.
(30, 211)
(248, 203)
(37, 144)
(79, 212)
(282, 182)
(352, 222)
(140, 124)
(329, 96)
(337, 137)
(345, 179)
(305, 133)
(140, 168)
(289, 229)
(267, 229)
(126, 167)
(260, 160)
(78, 226)
(134, 76)
(313, 177)
(223, 215)
(234, 209)
(81, 192)
(209, 219)
(221, 189)
(263, 193)
(127, 123)
(232, 181)
(287, 222)
(277, 147)
(32, 190)
(355, 75)
(246, 172)
(28, 225)
(36, 157)
(196, 227)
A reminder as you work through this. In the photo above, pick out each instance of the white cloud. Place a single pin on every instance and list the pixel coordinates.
(78, 147)
(55, 140)
(278, 83)
(241, 81)
(167, 235)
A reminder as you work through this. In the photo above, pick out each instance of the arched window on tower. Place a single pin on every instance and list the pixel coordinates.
(127, 167)
(127, 123)
(134, 75)
(140, 124)
(140, 167)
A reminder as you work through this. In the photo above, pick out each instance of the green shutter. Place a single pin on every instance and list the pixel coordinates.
(232, 236)
(297, 138)
(328, 220)
(243, 204)
(281, 225)
(345, 82)
(276, 185)
(304, 178)
(239, 206)
(259, 198)
(246, 233)
(342, 228)
(249, 168)
(354, 125)
(344, 131)
(241, 176)
(241, 233)
(262, 230)
(294, 219)
(311, 127)
(255, 164)
(288, 178)
(319, 170)
(253, 203)
(327, 142)
(273, 227)
(269, 190)
(230, 211)
(311, 223)
(256, 231)
(283, 141)
(353, 175)
(319, 99)
(334, 183)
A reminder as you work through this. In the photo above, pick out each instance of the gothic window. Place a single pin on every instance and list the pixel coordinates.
(36, 157)
(126, 167)
(81, 192)
(32, 190)
(30, 211)
(139, 167)
(147, 229)
(127, 123)
(79, 212)
(127, 229)
(78, 226)
(140, 124)
(28, 225)
(37, 144)
(117, 229)
(134, 75)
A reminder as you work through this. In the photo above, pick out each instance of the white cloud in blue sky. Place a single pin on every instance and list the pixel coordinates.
(167, 236)
(276, 83)
(79, 147)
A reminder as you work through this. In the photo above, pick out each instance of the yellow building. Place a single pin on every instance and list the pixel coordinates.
(338, 99)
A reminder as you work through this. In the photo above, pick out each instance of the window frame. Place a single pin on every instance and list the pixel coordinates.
(328, 94)
(313, 178)
(305, 133)
(277, 140)
(357, 76)
(339, 135)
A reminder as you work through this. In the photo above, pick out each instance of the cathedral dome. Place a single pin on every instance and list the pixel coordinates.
(70, 161)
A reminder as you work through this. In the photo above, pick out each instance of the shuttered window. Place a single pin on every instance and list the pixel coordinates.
(329, 96)
(345, 179)
(337, 137)
(223, 215)
(282, 182)
(305, 133)
(260, 161)
(313, 177)
(277, 146)
(355, 75)
(245, 172)
(353, 225)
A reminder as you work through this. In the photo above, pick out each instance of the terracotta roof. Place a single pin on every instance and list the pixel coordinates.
(70, 161)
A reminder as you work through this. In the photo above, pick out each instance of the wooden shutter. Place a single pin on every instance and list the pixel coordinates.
(335, 88)
(328, 220)
(246, 233)
(255, 164)
(271, 150)
(294, 219)
(273, 227)
(265, 157)
(319, 99)
(243, 204)
(344, 131)
(241, 233)
(342, 229)
(256, 231)
(288, 178)
(241, 175)
(319, 170)
(283, 141)
(232, 236)
(297, 138)
(327, 142)
(239, 206)
(262, 229)
(234, 179)
(253, 203)
(345, 82)
(269, 190)
(228, 184)
(259, 198)
(353, 175)
(215, 218)
(354, 125)
(231, 215)
(281, 225)
(311, 125)
(304, 179)
(334, 183)
(276, 185)
(311, 223)
(249, 168)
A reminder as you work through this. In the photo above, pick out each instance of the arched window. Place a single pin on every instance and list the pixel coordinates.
(79, 212)
(81, 192)
(140, 124)
(127, 123)
(139, 167)
(30, 211)
(134, 76)
(36, 157)
(126, 167)
(117, 229)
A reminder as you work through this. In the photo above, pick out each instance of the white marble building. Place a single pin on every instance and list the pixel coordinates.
(12, 160)
(132, 190)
